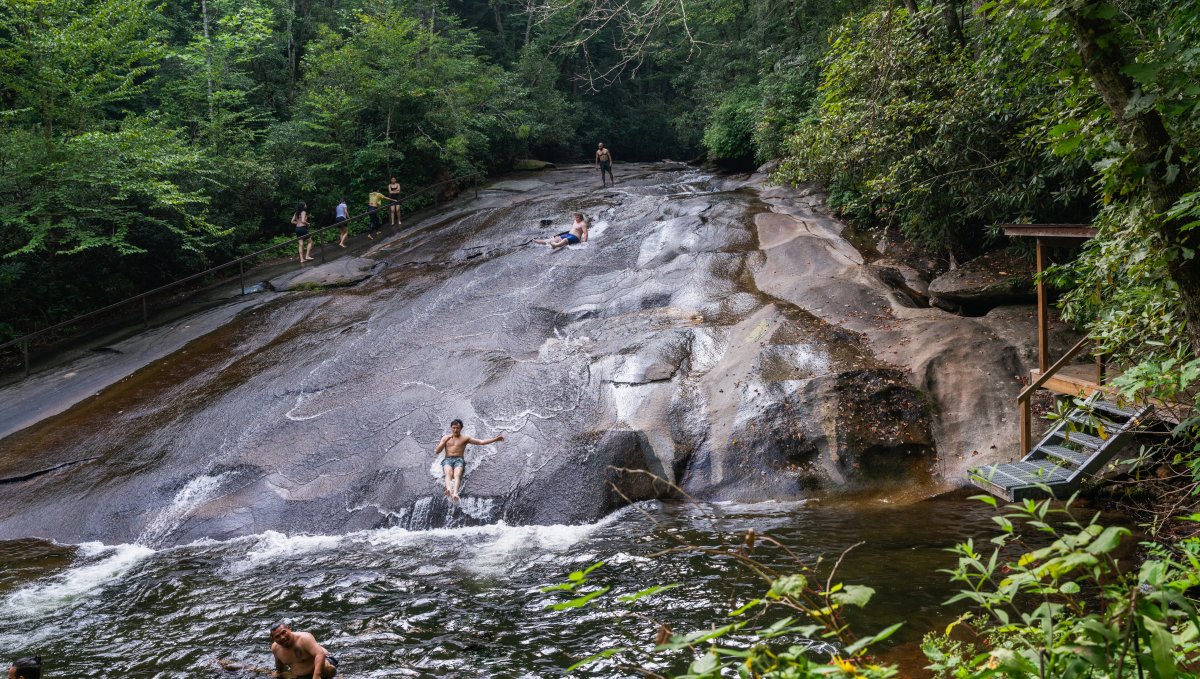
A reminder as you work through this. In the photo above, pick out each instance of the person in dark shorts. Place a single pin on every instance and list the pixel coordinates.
(577, 234)
(394, 196)
(300, 221)
(455, 445)
(604, 162)
(374, 201)
(26, 668)
(341, 214)
(300, 654)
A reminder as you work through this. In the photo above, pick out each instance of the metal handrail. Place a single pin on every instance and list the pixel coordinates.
(240, 261)
(1023, 399)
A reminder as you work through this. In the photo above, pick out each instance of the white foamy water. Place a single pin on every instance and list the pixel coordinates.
(74, 584)
(192, 495)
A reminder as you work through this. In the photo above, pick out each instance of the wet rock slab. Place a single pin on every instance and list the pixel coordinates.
(714, 333)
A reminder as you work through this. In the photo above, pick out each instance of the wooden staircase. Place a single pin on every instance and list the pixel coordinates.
(1075, 448)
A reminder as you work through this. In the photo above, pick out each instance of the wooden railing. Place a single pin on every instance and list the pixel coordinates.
(1026, 395)
(24, 341)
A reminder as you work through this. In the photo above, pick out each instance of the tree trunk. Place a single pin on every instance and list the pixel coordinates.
(207, 56)
(1095, 39)
(911, 5)
(953, 25)
(528, 22)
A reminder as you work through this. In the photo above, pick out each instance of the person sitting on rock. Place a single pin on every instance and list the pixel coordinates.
(26, 668)
(300, 653)
(577, 234)
(455, 445)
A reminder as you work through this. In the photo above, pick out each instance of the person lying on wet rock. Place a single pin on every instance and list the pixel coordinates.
(577, 234)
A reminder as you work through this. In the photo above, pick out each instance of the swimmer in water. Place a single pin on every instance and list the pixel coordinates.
(26, 668)
(299, 653)
(455, 445)
(577, 234)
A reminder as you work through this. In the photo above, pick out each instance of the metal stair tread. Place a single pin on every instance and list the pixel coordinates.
(1091, 420)
(1093, 442)
(1114, 409)
(1066, 454)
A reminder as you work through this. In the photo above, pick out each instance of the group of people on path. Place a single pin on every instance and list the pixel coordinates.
(376, 199)
(341, 215)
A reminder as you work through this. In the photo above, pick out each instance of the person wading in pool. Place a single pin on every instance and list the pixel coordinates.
(577, 234)
(26, 668)
(455, 445)
(300, 653)
(604, 162)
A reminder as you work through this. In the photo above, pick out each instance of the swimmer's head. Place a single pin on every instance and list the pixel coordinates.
(26, 668)
(456, 425)
(600, 145)
(281, 633)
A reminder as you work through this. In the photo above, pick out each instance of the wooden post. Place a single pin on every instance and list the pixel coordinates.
(1043, 316)
(1026, 426)
(145, 314)
(25, 352)
(1099, 369)
(240, 277)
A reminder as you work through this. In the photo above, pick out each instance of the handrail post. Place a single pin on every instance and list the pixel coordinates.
(1042, 313)
(145, 314)
(25, 353)
(1100, 369)
(1026, 425)
(241, 274)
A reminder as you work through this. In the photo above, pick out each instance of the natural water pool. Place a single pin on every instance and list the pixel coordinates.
(463, 602)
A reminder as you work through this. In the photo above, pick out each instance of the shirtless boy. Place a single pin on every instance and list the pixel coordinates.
(455, 445)
(300, 653)
(577, 234)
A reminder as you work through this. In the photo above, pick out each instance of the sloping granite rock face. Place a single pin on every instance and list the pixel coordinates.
(984, 283)
(716, 335)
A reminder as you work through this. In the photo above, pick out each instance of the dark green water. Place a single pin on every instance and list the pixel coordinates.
(456, 602)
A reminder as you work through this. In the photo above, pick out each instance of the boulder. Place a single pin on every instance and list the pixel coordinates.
(530, 164)
(335, 273)
(984, 283)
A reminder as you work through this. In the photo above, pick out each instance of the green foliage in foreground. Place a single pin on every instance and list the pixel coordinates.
(1050, 598)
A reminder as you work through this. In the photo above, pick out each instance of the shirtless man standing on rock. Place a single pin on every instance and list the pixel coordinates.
(300, 653)
(455, 445)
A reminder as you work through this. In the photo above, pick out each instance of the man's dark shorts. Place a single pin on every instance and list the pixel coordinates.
(606, 166)
(571, 238)
(456, 461)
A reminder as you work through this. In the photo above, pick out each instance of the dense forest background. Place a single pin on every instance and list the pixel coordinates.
(141, 141)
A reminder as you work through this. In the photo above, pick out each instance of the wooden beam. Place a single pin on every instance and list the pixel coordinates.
(1069, 231)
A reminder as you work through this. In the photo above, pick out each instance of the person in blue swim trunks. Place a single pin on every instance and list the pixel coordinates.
(455, 445)
(578, 234)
